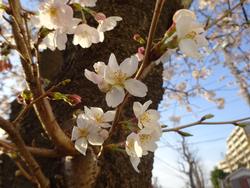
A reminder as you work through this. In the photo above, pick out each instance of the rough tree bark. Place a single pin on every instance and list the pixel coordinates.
(114, 168)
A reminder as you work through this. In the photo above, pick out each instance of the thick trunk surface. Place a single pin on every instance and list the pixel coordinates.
(114, 168)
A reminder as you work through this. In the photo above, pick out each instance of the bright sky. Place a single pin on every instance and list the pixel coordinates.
(208, 140)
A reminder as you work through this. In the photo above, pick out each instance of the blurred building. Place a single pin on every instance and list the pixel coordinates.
(238, 150)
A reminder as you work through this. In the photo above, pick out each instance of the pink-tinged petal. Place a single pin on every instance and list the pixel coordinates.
(115, 96)
(136, 87)
(81, 145)
(129, 66)
(113, 63)
(135, 162)
(109, 116)
(93, 77)
(76, 133)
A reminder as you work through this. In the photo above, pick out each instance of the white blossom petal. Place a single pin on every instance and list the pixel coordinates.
(135, 162)
(136, 87)
(129, 66)
(115, 96)
(81, 145)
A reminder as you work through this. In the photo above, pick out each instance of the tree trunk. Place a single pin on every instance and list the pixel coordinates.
(113, 169)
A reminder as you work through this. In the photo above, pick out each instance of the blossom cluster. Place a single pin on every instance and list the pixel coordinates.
(91, 128)
(58, 17)
(140, 143)
(113, 79)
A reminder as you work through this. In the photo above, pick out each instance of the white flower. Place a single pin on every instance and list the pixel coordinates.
(134, 150)
(108, 23)
(86, 3)
(148, 138)
(99, 118)
(54, 14)
(53, 40)
(146, 118)
(97, 77)
(118, 76)
(85, 132)
(86, 35)
(189, 33)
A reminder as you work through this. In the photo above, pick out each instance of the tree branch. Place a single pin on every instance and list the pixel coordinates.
(17, 139)
(42, 107)
(200, 122)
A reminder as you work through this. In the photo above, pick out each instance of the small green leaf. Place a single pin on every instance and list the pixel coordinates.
(185, 134)
(207, 116)
(58, 96)
(65, 82)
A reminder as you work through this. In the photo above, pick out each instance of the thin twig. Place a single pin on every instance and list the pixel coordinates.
(42, 107)
(225, 14)
(27, 107)
(157, 11)
(32, 164)
(200, 122)
(39, 152)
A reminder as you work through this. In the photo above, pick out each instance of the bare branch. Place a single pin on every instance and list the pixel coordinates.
(200, 122)
(17, 139)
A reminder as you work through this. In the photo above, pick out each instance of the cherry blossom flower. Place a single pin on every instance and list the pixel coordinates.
(134, 150)
(118, 76)
(86, 132)
(189, 33)
(108, 24)
(148, 137)
(54, 14)
(97, 77)
(53, 40)
(99, 118)
(85, 35)
(146, 118)
(86, 3)
(139, 144)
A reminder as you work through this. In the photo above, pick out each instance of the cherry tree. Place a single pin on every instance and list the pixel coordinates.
(93, 78)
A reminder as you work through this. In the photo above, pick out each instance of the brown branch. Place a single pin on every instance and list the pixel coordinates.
(18, 141)
(27, 107)
(200, 122)
(42, 107)
(39, 152)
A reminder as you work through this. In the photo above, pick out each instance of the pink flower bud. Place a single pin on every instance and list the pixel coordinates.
(100, 16)
(74, 99)
(141, 50)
